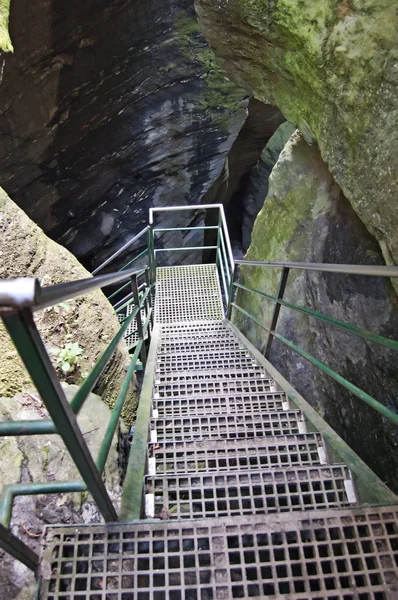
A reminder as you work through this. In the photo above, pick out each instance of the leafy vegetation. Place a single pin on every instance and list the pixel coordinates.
(68, 357)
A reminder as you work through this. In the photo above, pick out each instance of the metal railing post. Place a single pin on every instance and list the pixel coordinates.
(149, 298)
(27, 340)
(277, 308)
(11, 544)
(231, 292)
(151, 253)
(140, 328)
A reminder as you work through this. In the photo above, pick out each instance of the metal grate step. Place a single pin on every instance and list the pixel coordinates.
(219, 455)
(188, 293)
(212, 387)
(329, 555)
(169, 348)
(227, 494)
(198, 375)
(227, 426)
(206, 361)
(238, 403)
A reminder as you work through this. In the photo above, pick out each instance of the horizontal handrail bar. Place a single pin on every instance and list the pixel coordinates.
(117, 409)
(66, 291)
(185, 228)
(177, 208)
(33, 427)
(368, 335)
(33, 489)
(122, 249)
(185, 248)
(375, 404)
(130, 262)
(371, 270)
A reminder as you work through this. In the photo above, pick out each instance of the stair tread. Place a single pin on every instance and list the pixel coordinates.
(228, 493)
(208, 455)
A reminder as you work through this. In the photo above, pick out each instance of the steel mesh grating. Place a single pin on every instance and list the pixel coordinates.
(219, 455)
(205, 361)
(131, 334)
(170, 348)
(226, 426)
(187, 293)
(198, 376)
(212, 387)
(238, 403)
(333, 555)
(227, 494)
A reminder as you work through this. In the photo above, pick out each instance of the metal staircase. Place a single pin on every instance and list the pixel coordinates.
(235, 487)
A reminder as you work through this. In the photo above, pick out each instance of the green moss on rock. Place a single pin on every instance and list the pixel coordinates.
(5, 40)
(330, 66)
(218, 91)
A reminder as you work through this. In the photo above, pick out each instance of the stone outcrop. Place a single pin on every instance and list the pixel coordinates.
(89, 320)
(306, 217)
(110, 107)
(330, 67)
(45, 458)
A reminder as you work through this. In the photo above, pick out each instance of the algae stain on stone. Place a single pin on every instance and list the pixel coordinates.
(218, 91)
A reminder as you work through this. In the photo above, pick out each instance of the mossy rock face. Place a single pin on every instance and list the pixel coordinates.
(5, 40)
(306, 218)
(88, 320)
(330, 66)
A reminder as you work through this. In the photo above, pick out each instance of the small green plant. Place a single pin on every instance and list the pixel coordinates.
(68, 357)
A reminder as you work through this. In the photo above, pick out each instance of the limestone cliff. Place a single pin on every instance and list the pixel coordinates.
(330, 66)
(307, 218)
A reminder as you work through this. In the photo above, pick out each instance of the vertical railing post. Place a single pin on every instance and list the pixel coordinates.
(277, 308)
(231, 292)
(218, 261)
(136, 296)
(151, 254)
(149, 297)
(11, 544)
(27, 340)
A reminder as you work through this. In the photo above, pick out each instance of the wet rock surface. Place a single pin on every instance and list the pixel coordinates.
(109, 108)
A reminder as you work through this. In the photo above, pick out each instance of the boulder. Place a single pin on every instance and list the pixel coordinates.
(88, 321)
(330, 67)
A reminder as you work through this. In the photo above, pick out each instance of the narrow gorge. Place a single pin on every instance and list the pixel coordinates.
(285, 112)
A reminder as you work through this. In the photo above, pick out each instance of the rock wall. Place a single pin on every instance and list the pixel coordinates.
(330, 66)
(108, 108)
(306, 217)
(255, 188)
(89, 320)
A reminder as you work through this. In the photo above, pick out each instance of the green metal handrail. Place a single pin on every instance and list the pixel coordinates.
(363, 270)
(19, 299)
